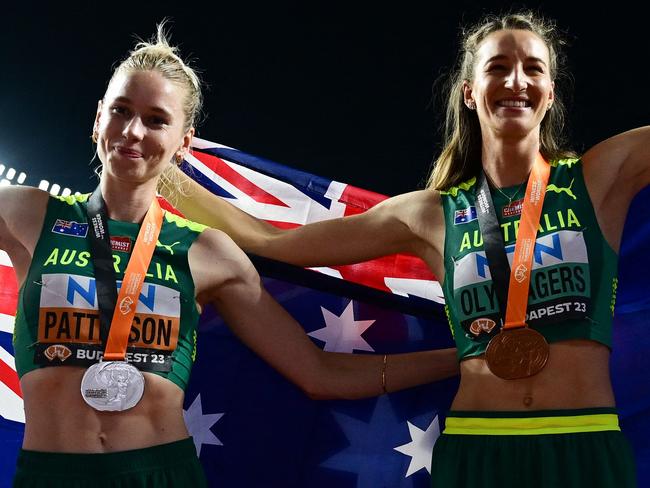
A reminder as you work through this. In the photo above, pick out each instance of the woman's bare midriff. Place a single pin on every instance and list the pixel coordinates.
(58, 419)
(576, 376)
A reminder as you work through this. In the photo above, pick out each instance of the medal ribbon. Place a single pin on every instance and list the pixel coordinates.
(522, 261)
(116, 311)
(518, 284)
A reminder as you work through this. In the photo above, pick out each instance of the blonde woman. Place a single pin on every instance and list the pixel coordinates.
(105, 332)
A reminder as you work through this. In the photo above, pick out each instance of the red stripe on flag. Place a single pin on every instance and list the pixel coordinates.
(10, 378)
(230, 175)
(8, 290)
(358, 200)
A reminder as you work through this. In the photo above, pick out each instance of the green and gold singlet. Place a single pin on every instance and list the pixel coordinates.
(57, 322)
(573, 283)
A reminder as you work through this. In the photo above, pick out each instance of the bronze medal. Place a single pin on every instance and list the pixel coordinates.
(517, 353)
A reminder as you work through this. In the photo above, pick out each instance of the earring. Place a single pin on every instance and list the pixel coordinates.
(178, 158)
(471, 105)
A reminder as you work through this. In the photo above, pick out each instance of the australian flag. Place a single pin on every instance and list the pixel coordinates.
(464, 215)
(70, 228)
(252, 428)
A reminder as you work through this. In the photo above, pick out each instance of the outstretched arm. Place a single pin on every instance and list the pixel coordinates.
(393, 226)
(225, 277)
(615, 171)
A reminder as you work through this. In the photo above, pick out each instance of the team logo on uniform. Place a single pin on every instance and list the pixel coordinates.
(513, 208)
(464, 215)
(120, 244)
(57, 351)
(562, 189)
(169, 247)
(70, 228)
(482, 325)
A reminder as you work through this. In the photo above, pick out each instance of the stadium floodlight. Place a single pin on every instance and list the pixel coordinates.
(2, 168)
(5, 182)
(44, 185)
(21, 178)
(66, 192)
(55, 189)
(10, 174)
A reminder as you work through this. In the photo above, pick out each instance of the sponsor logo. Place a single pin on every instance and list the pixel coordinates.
(125, 305)
(120, 244)
(520, 273)
(483, 203)
(57, 351)
(168, 247)
(70, 228)
(482, 325)
(560, 189)
(513, 208)
(68, 314)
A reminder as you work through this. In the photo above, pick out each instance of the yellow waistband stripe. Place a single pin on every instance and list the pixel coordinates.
(532, 425)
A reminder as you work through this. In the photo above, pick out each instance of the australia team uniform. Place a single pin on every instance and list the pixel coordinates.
(57, 324)
(572, 294)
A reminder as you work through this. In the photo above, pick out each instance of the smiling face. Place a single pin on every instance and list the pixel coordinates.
(512, 87)
(139, 125)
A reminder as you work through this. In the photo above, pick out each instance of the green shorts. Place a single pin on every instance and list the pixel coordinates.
(550, 448)
(167, 465)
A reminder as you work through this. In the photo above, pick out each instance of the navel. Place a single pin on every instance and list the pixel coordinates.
(528, 400)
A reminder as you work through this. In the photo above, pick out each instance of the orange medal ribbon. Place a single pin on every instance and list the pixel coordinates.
(132, 282)
(518, 351)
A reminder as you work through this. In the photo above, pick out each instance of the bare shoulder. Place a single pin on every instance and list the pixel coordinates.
(22, 210)
(421, 211)
(615, 170)
(619, 163)
(414, 208)
(214, 260)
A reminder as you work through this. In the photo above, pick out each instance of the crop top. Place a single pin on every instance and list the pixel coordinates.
(573, 282)
(57, 322)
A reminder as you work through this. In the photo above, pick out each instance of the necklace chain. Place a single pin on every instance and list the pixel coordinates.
(509, 197)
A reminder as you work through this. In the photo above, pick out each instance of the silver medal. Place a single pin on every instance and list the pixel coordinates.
(112, 386)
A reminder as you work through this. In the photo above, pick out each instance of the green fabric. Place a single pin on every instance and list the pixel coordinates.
(574, 460)
(573, 282)
(57, 320)
(173, 465)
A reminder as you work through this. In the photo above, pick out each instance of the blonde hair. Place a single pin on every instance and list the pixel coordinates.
(460, 158)
(159, 55)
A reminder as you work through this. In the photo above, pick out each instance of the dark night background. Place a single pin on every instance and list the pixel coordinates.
(340, 91)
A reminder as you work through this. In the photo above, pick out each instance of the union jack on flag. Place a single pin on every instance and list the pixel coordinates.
(242, 414)
(69, 228)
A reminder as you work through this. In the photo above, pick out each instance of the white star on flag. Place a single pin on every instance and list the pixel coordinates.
(421, 446)
(343, 334)
(198, 425)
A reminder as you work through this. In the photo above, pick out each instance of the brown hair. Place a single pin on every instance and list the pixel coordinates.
(460, 158)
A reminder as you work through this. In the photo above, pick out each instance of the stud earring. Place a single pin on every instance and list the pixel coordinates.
(179, 159)
(471, 105)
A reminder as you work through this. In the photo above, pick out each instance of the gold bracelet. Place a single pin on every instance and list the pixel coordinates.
(383, 374)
